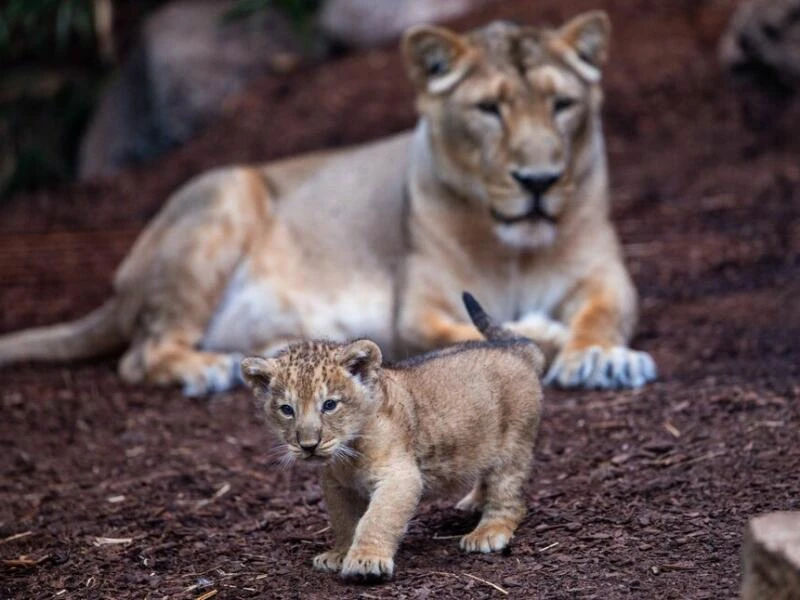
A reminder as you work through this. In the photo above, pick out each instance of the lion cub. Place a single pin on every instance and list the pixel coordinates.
(467, 413)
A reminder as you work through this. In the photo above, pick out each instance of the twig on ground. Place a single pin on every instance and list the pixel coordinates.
(109, 541)
(207, 595)
(673, 431)
(16, 536)
(489, 583)
(24, 561)
(549, 546)
(224, 489)
(321, 531)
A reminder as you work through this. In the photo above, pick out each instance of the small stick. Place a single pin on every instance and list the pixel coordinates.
(436, 536)
(226, 487)
(16, 536)
(489, 583)
(321, 531)
(106, 541)
(672, 429)
(24, 561)
(546, 548)
(207, 595)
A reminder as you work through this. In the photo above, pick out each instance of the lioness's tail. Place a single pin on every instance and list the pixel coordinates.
(494, 332)
(95, 334)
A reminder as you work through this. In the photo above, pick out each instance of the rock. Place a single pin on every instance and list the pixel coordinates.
(365, 23)
(190, 58)
(772, 557)
(763, 42)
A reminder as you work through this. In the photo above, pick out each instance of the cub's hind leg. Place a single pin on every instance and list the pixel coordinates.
(503, 507)
(175, 277)
(475, 499)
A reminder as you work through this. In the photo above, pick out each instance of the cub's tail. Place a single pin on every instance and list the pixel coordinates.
(496, 333)
(93, 335)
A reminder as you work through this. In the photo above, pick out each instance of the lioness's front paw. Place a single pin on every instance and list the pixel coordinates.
(367, 565)
(602, 368)
(487, 538)
(330, 561)
(218, 376)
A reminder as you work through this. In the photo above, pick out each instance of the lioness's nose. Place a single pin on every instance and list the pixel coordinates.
(536, 184)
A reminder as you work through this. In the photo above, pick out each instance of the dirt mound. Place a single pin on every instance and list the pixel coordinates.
(117, 492)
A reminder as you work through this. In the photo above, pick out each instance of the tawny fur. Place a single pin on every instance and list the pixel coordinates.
(463, 416)
(379, 240)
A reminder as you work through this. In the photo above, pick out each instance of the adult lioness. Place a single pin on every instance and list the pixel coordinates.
(501, 188)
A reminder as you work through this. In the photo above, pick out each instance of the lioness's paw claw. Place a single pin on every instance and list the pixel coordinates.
(364, 565)
(220, 376)
(487, 538)
(602, 368)
(330, 561)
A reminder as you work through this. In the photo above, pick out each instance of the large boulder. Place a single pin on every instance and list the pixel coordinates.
(763, 42)
(190, 58)
(772, 557)
(364, 23)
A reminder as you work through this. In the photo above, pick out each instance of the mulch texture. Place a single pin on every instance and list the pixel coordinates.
(109, 491)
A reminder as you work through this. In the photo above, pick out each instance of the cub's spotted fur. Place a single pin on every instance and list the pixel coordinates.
(467, 414)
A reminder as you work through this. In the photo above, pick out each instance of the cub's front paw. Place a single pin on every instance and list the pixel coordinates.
(330, 561)
(487, 538)
(359, 564)
(602, 368)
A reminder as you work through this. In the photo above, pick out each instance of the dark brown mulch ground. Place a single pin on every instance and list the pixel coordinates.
(634, 495)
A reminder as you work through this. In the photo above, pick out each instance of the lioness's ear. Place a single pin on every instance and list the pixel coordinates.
(258, 374)
(436, 58)
(586, 39)
(362, 359)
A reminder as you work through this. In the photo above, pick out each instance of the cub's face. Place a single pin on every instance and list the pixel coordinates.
(317, 395)
(508, 111)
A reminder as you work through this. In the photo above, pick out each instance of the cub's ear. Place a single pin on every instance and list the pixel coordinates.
(436, 58)
(258, 374)
(586, 40)
(362, 359)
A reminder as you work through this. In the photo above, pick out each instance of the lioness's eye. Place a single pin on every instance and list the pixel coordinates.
(489, 108)
(286, 410)
(563, 103)
(329, 405)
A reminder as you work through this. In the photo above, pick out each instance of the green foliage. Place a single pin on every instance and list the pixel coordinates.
(31, 29)
(300, 12)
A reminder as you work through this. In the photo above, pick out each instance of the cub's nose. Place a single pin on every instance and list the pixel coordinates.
(309, 446)
(536, 184)
(307, 443)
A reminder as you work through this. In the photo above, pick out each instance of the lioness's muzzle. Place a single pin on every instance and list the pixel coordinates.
(534, 212)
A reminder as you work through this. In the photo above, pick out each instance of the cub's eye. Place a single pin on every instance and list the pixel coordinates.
(329, 406)
(489, 108)
(286, 410)
(562, 104)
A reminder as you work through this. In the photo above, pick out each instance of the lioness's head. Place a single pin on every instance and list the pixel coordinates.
(510, 112)
(316, 395)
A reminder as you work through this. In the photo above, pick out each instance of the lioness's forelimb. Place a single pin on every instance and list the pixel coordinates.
(171, 358)
(596, 354)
